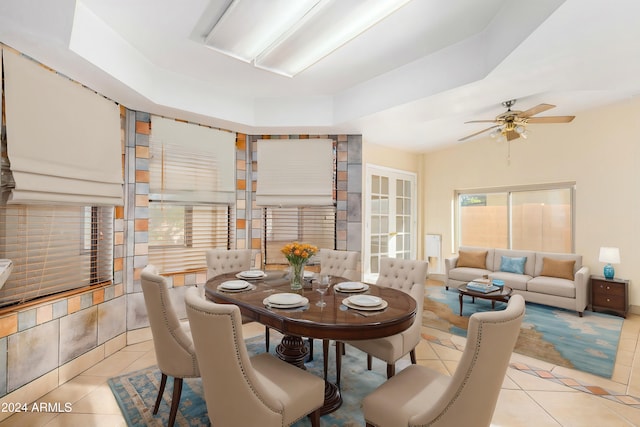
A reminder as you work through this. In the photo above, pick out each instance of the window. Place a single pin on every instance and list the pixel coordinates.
(314, 225)
(192, 190)
(536, 218)
(180, 235)
(54, 249)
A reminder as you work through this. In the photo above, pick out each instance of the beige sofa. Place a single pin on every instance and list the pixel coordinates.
(554, 279)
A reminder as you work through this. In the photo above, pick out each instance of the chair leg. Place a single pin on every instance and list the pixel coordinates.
(315, 418)
(310, 357)
(266, 338)
(175, 400)
(325, 357)
(369, 361)
(339, 353)
(412, 355)
(163, 382)
(391, 370)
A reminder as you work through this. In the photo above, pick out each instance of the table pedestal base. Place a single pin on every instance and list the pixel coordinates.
(293, 350)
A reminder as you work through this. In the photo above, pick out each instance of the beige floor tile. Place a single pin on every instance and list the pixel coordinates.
(84, 420)
(578, 409)
(425, 351)
(436, 365)
(99, 401)
(446, 353)
(516, 409)
(527, 381)
(114, 365)
(31, 419)
(74, 390)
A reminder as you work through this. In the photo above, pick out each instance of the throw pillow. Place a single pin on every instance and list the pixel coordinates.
(473, 259)
(558, 268)
(513, 264)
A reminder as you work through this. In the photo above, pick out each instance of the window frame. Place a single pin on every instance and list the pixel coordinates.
(509, 190)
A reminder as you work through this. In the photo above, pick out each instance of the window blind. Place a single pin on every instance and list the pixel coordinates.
(63, 140)
(315, 225)
(192, 189)
(295, 172)
(54, 249)
(180, 235)
(191, 163)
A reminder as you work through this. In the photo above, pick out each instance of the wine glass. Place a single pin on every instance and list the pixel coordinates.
(321, 285)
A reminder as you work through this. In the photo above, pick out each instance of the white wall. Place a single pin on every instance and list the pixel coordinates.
(599, 150)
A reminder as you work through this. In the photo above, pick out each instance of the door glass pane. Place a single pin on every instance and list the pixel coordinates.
(483, 220)
(541, 220)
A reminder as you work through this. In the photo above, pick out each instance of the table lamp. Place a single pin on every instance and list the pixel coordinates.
(610, 256)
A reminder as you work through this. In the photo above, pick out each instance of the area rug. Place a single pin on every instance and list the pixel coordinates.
(136, 392)
(558, 336)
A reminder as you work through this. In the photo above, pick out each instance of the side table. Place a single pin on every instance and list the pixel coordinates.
(610, 295)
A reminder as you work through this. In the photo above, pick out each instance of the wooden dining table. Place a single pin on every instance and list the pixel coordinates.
(334, 321)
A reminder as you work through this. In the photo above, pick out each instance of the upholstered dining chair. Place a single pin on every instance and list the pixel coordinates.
(242, 391)
(223, 261)
(408, 276)
(340, 264)
(175, 354)
(420, 396)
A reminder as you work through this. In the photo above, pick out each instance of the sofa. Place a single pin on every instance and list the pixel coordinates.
(555, 279)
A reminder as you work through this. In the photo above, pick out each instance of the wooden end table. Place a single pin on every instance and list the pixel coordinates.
(503, 294)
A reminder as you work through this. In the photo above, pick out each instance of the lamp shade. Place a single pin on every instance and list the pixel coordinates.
(609, 255)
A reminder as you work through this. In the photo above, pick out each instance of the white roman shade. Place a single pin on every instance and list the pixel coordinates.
(191, 163)
(295, 172)
(63, 140)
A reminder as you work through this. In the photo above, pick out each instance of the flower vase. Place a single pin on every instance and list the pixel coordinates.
(297, 276)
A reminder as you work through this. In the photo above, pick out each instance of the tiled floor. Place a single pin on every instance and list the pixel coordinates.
(534, 393)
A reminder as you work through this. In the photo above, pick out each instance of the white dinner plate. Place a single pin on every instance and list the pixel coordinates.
(251, 274)
(351, 287)
(234, 285)
(285, 302)
(365, 300)
(383, 304)
(285, 298)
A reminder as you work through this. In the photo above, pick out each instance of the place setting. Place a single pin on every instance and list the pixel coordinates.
(251, 275)
(365, 303)
(236, 286)
(285, 300)
(351, 287)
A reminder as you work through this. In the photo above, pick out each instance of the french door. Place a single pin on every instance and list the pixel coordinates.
(390, 228)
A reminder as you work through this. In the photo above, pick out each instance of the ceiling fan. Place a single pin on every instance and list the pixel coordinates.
(513, 124)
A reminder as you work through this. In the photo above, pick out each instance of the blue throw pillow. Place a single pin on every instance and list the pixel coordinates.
(513, 264)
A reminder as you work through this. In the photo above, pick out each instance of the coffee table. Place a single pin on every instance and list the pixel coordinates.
(501, 294)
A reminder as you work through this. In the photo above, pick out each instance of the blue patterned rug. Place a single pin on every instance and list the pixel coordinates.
(136, 391)
(558, 336)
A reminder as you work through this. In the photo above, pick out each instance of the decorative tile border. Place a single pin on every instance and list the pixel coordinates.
(545, 374)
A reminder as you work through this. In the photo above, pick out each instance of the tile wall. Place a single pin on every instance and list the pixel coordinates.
(45, 345)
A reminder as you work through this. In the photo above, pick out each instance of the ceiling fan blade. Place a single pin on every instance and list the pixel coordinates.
(477, 133)
(536, 110)
(551, 119)
(512, 134)
(482, 121)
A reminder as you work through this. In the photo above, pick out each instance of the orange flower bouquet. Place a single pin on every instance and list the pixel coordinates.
(298, 254)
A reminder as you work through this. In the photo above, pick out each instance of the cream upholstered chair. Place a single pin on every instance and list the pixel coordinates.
(408, 276)
(420, 396)
(223, 261)
(175, 354)
(340, 263)
(241, 391)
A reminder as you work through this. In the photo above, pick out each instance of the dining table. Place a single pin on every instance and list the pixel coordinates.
(337, 320)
